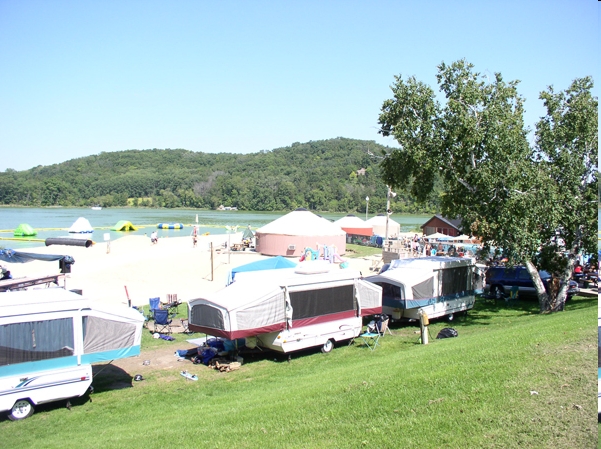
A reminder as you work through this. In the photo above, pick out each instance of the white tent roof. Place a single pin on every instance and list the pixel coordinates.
(379, 225)
(301, 222)
(352, 221)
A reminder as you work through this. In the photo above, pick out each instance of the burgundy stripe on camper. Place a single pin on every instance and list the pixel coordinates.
(371, 311)
(240, 333)
(323, 318)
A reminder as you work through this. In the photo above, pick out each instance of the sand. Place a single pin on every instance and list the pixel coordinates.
(172, 266)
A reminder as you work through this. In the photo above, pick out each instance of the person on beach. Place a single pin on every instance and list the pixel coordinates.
(194, 236)
(154, 237)
(5, 274)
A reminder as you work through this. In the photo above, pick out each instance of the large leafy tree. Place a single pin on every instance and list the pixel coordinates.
(567, 146)
(476, 143)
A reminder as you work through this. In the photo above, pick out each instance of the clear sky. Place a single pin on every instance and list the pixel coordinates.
(81, 77)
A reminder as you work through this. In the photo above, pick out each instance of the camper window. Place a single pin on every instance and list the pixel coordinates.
(36, 340)
(392, 291)
(313, 303)
(455, 280)
(206, 315)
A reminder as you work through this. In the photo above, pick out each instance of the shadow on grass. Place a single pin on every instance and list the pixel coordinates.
(110, 377)
(488, 310)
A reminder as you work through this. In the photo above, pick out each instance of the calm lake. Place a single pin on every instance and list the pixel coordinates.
(55, 222)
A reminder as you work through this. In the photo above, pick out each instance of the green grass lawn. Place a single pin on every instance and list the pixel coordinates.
(512, 379)
(361, 251)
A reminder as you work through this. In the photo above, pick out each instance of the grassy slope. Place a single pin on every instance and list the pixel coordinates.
(467, 392)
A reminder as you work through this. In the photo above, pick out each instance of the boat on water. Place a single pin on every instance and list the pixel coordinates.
(96, 207)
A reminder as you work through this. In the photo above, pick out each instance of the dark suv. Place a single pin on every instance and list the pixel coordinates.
(501, 280)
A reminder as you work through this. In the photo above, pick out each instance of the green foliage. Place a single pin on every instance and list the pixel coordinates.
(320, 175)
(508, 194)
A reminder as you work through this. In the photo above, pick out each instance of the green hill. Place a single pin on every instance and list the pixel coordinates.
(321, 175)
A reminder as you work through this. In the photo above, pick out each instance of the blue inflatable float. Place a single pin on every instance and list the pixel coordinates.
(170, 226)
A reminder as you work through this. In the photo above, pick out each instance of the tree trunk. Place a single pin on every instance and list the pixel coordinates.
(553, 300)
(558, 303)
(543, 298)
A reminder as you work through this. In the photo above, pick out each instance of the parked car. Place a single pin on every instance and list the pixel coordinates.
(501, 280)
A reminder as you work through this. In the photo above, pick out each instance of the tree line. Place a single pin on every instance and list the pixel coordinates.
(333, 175)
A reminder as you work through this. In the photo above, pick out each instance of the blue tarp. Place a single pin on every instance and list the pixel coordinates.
(273, 263)
(11, 256)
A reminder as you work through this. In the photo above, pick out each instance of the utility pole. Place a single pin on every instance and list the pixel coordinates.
(389, 193)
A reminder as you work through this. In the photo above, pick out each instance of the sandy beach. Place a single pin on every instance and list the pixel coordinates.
(172, 266)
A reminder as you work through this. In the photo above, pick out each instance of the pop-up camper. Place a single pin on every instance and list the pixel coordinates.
(288, 311)
(436, 286)
(48, 340)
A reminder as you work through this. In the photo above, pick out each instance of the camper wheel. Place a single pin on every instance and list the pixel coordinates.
(327, 346)
(450, 317)
(21, 410)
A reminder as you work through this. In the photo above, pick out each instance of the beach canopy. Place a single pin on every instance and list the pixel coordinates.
(463, 238)
(124, 225)
(81, 226)
(438, 236)
(11, 256)
(353, 225)
(24, 230)
(248, 234)
(273, 263)
(378, 224)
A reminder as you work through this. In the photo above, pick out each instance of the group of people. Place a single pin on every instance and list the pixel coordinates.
(421, 246)
(585, 272)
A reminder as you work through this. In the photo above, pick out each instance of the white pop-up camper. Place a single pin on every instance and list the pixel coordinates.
(286, 310)
(436, 286)
(48, 340)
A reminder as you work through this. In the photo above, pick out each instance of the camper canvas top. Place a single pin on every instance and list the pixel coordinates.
(432, 262)
(255, 287)
(97, 332)
(39, 301)
(408, 277)
(19, 303)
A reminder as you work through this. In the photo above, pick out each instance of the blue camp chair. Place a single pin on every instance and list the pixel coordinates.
(162, 322)
(155, 304)
(371, 337)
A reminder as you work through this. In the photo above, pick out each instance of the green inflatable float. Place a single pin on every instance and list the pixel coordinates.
(124, 225)
(24, 230)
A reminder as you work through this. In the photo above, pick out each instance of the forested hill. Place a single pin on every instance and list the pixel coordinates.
(321, 175)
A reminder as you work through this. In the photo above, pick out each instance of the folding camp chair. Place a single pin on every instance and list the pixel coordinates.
(155, 304)
(172, 305)
(371, 338)
(162, 322)
(185, 322)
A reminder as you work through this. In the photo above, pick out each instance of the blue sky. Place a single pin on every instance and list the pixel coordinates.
(81, 77)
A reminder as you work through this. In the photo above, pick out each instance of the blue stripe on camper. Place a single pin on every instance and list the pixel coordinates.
(422, 302)
(39, 365)
(107, 356)
(67, 362)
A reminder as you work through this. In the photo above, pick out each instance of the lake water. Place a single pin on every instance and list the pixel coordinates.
(55, 222)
